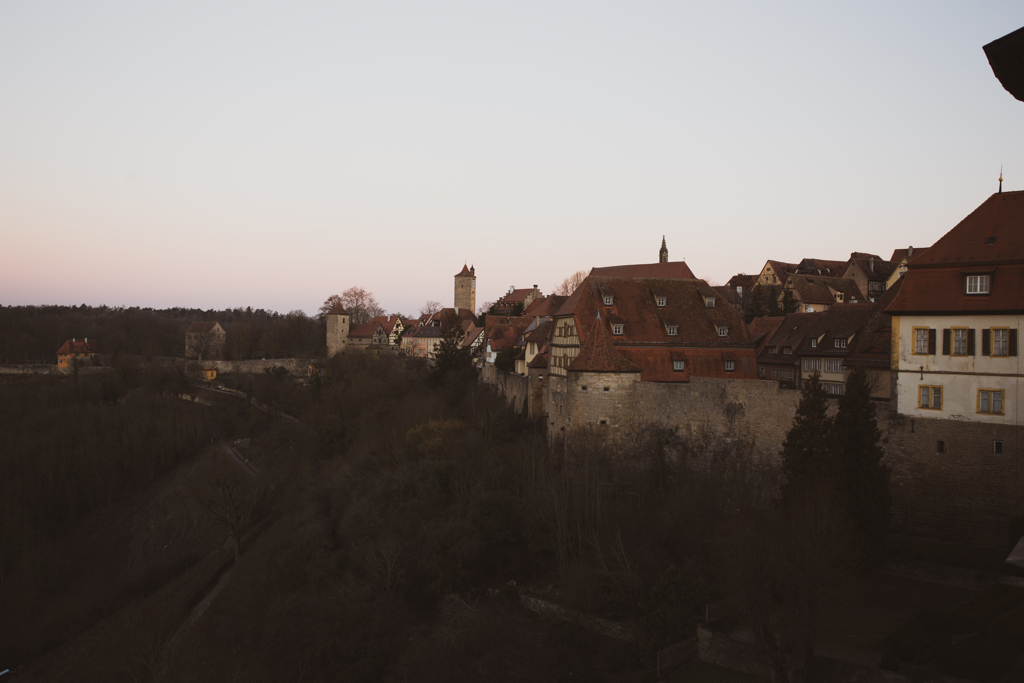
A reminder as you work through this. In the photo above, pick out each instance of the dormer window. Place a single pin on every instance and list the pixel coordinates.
(723, 331)
(617, 329)
(673, 330)
(839, 297)
(979, 284)
(788, 350)
(840, 343)
(773, 349)
(709, 302)
(608, 299)
(730, 365)
(662, 301)
(678, 365)
(814, 343)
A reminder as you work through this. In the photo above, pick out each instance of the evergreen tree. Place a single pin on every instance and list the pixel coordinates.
(863, 477)
(806, 451)
(450, 357)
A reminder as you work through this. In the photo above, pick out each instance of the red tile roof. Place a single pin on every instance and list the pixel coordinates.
(670, 269)
(874, 270)
(540, 361)
(762, 329)
(839, 322)
(542, 333)
(543, 306)
(599, 355)
(364, 330)
(1001, 216)
(504, 331)
(899, 254)
(78, 346)
(990, 239)
(815, 289)
(818, 266)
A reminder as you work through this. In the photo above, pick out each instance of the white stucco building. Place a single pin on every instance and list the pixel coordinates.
(956, 320)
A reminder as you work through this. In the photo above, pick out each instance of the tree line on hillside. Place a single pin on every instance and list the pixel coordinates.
(32, 334)
(420, 506)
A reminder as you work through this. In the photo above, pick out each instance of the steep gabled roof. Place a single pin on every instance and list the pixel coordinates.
(988, 241)
(464, 272)
(634, 305)
(875, 270)
(76, 346)
(670, 269)
(598, 355)
(899, 254)
(201, 328)
(815, 289)
(542, 333)
(817, 266)
(1001, 217)
(547, 305)
(839, 322)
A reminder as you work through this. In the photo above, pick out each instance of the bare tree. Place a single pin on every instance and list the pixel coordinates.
(484, 307)
(430, 308)
(782, 561)
(360, 304)
(332, 303)
(569, 284)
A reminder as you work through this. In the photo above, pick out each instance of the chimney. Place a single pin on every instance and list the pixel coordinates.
(511, 288)
(871, 263)
(910, 252)
(86, 340)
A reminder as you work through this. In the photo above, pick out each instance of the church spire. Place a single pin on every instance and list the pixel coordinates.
(663, 254)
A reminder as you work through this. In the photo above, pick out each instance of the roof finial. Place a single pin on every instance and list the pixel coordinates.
(1000, 178)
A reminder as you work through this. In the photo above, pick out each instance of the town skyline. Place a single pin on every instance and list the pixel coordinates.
(174, 157)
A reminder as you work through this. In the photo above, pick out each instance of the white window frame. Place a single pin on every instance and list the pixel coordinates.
(672, 330)
(709, 302)
(723, 331)
(1000, 347)
(920, 341)
(617, 328)
(840, 343)
(678, 365)
(608, 300)
(958, 346)
(730, 365)
(662, 302)
(979, 284)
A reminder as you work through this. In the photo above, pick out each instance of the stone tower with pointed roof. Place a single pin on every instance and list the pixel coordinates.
(663, 253)
(465, 289)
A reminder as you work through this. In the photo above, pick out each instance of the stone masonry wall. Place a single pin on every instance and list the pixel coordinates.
(515, 388)
(968, 494)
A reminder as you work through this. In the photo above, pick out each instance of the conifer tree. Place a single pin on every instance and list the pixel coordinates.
(862, 476)
(806, 451)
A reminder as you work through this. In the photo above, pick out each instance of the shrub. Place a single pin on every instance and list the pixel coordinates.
(671, 609)
(981, 657)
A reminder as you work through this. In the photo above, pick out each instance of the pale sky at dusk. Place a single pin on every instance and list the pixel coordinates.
(215, 154)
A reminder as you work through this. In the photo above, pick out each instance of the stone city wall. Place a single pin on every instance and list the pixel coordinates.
(515, 388)
(967, 494)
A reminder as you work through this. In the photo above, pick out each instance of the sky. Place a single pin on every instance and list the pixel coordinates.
(223, 154)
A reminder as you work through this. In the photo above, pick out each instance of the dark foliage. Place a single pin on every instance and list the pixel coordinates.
(807, 448)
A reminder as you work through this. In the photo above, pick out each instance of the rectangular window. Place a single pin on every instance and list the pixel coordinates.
(840, 343)
(929, 398)
(608, 300)
(1000, 341)
(921, 341)
(814, 343)
(959, 341)
(788, 350)
(617, 329)
(812, 364)
(760, 373)
(808, 308)
(730, 365)
(990, 401)
(678, 365)
(997, 447)
(673, 330)
(789, 374)
(662, 301)
(978, 284)
(723, 331)
(773, 349)
(940, 446)
(709, 302)
(774, 371)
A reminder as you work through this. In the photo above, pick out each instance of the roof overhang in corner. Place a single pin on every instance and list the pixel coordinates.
(1006, 57)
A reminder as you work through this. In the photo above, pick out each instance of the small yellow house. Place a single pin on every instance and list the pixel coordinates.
(73, 348)
(209, 374)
